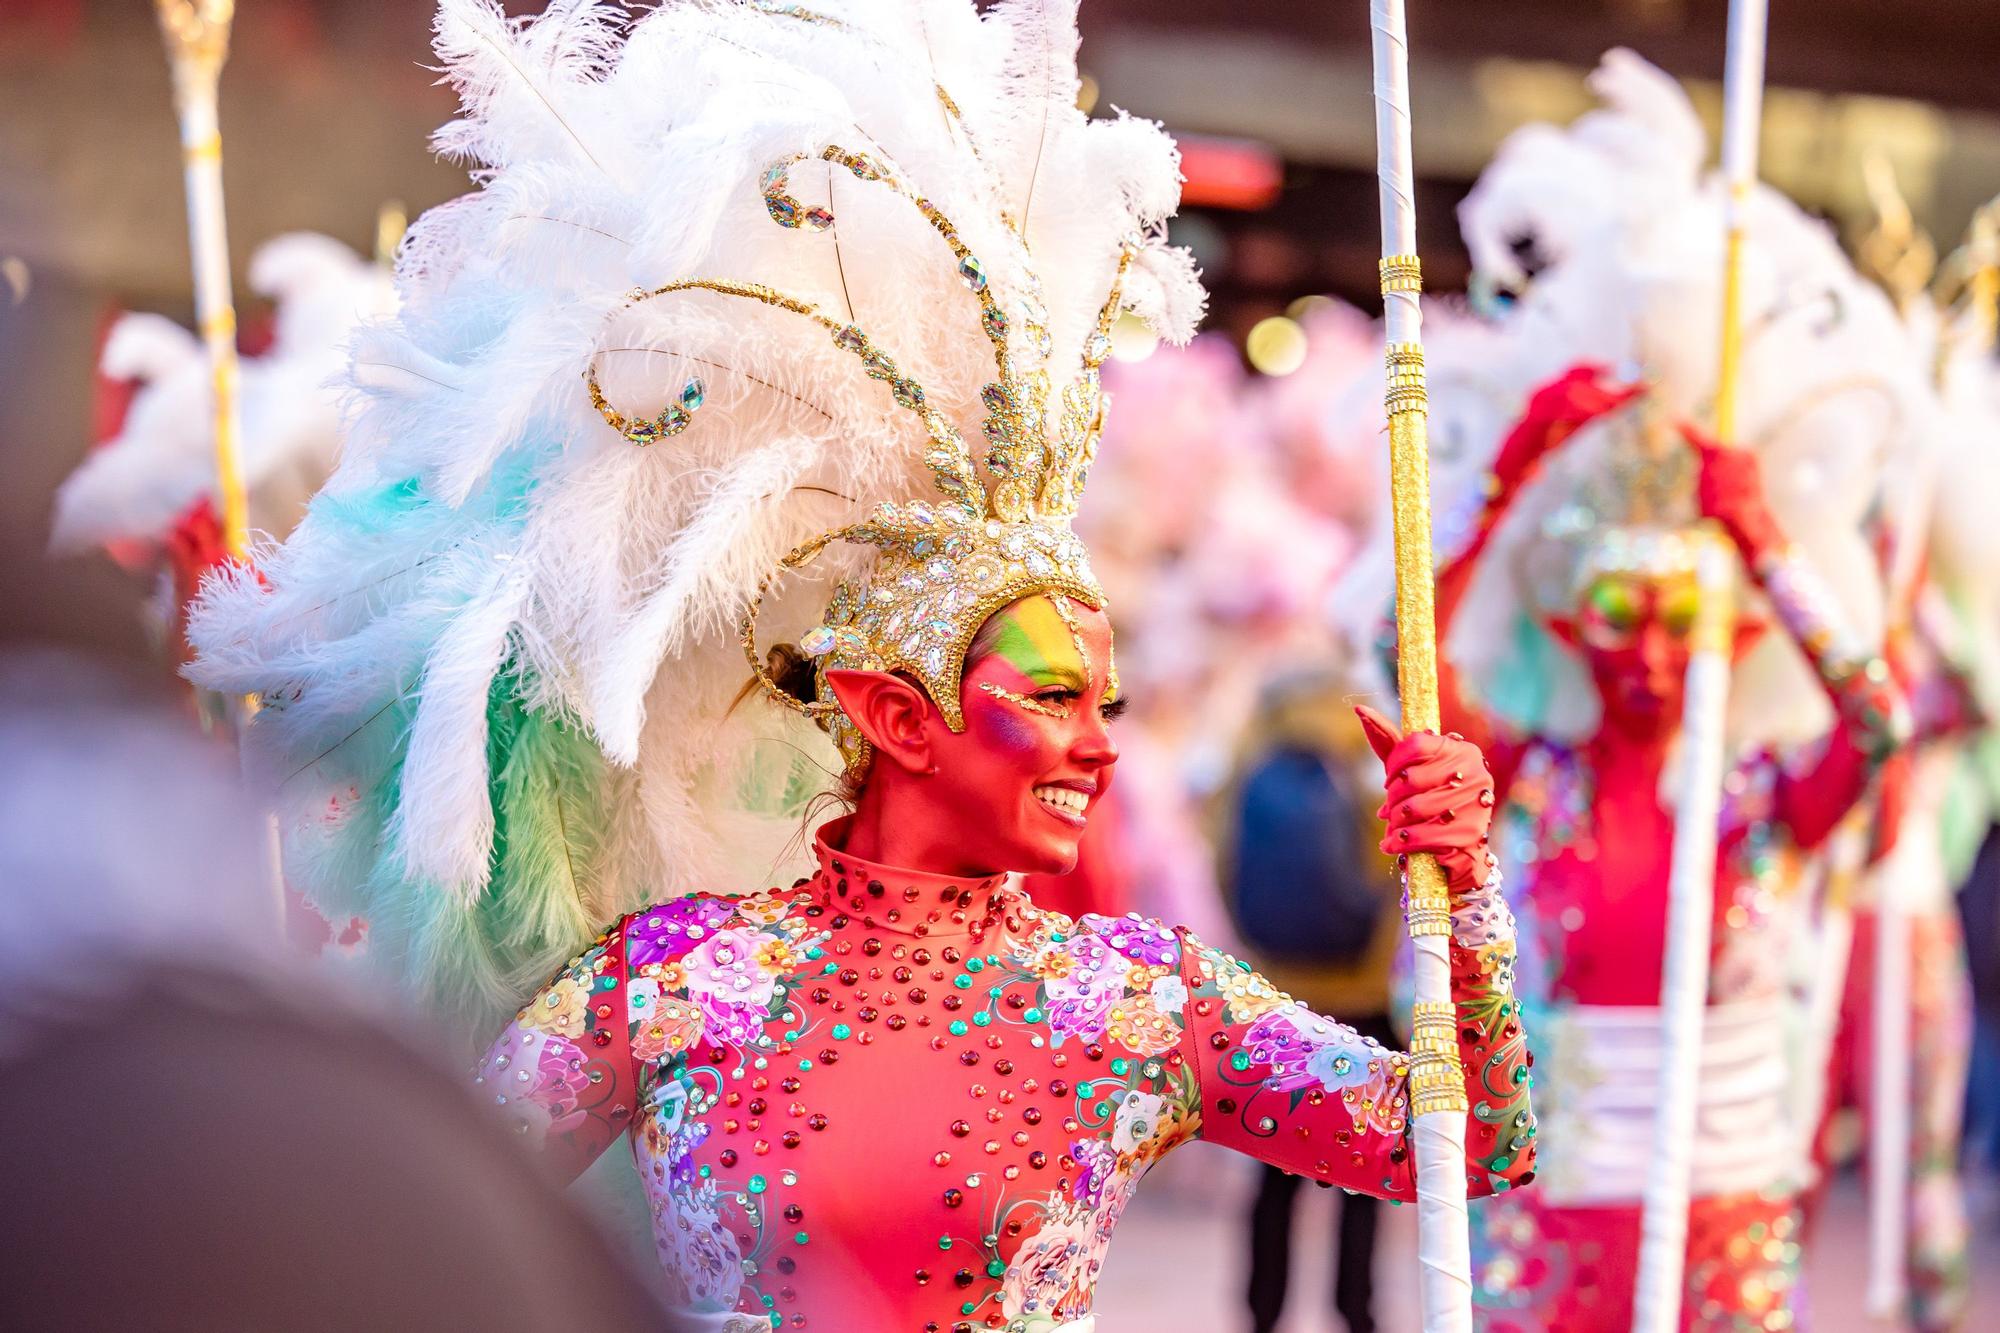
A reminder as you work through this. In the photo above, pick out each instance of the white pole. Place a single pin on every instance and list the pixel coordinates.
(1691, 883)
(1437, 1079)
(1656, 1303)
(1889, 1094)
(197, 35)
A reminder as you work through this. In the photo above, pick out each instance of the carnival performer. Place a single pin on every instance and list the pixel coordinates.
(1570, 600)
(147, 494)
(739, 284)
(1908, 987)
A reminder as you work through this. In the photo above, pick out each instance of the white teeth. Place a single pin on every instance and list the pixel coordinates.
(1063, 798)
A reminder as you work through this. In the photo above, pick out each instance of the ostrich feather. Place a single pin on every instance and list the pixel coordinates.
(499, 653)
(162, 460)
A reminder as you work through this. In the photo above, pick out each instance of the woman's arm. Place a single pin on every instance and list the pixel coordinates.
(561, 1073)
(1311, 1095)
(1872, 718)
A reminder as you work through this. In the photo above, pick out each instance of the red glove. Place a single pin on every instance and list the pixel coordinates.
(1555, 412)
(1731, 492)
(1440, 798)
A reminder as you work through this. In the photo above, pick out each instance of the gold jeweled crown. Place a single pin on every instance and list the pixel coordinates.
(943, 565)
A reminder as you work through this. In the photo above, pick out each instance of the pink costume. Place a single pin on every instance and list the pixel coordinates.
(896, 1101)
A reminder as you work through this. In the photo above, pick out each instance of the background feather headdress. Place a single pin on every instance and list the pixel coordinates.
(1621, 264)
(499, 657)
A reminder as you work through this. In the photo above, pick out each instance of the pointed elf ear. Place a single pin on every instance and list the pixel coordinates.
(891, 711)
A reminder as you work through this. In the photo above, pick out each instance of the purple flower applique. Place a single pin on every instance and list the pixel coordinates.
(1096, 1165)
(1080, 1000)
(668, 930)
(730, 987)
(1141, 939)
(1305, 1050)
(560, 1083)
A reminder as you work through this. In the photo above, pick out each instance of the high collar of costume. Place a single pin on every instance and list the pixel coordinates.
(908, 902)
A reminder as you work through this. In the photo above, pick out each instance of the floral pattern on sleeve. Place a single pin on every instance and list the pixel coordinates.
(560, 1073)
(1312, 1095)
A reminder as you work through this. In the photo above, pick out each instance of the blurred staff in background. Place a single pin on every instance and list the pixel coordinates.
(1315, 904)
(195, 1116)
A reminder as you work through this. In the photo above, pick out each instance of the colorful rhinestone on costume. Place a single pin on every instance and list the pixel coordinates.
(900, 1101)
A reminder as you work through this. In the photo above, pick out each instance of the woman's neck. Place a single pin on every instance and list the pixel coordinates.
(892, 826)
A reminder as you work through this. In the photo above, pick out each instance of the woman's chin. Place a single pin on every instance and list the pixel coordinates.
(1044, 856)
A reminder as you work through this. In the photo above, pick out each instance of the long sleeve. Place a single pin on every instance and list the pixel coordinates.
(1872, 716)
(561, 1072)
(1302, 1092)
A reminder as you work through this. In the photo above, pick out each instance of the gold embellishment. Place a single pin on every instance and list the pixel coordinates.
(1032, 705)
(1405, 391)
(1427, 915)
(197, 31)
(1402, 273)
(1067, 614)
(1437, 1083)
(943, 568)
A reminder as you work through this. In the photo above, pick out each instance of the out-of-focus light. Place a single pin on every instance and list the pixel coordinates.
(1276, 346)
(392, 219)
(1229, 173)
(1086, 94)
(1303, 308)
(1131, 340)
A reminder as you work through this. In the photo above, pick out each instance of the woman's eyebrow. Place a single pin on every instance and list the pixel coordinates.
(1059, 673)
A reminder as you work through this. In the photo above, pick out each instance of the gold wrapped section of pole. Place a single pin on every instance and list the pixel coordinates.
(1429, 908)
(1437, 1078)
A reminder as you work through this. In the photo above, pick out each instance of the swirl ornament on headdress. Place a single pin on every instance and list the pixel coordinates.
(943, 566)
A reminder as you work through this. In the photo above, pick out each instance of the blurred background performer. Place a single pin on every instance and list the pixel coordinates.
(503, 660)
(1567, 608)
(1317, 907)
(1907, 1040)
(148, 493)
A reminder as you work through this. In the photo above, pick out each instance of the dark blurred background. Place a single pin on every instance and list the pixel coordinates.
(327, 105)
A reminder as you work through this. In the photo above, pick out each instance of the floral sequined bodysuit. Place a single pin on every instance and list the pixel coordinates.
(886, 1100)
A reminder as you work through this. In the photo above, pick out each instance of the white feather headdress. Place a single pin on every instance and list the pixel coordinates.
(163, 460)
(500, 655)
(1628, 274)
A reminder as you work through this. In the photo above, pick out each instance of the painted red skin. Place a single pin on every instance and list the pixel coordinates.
(869, 1134)
(1619, 883)
(964, 803)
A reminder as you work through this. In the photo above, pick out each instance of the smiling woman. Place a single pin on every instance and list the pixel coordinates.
(496, 674)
